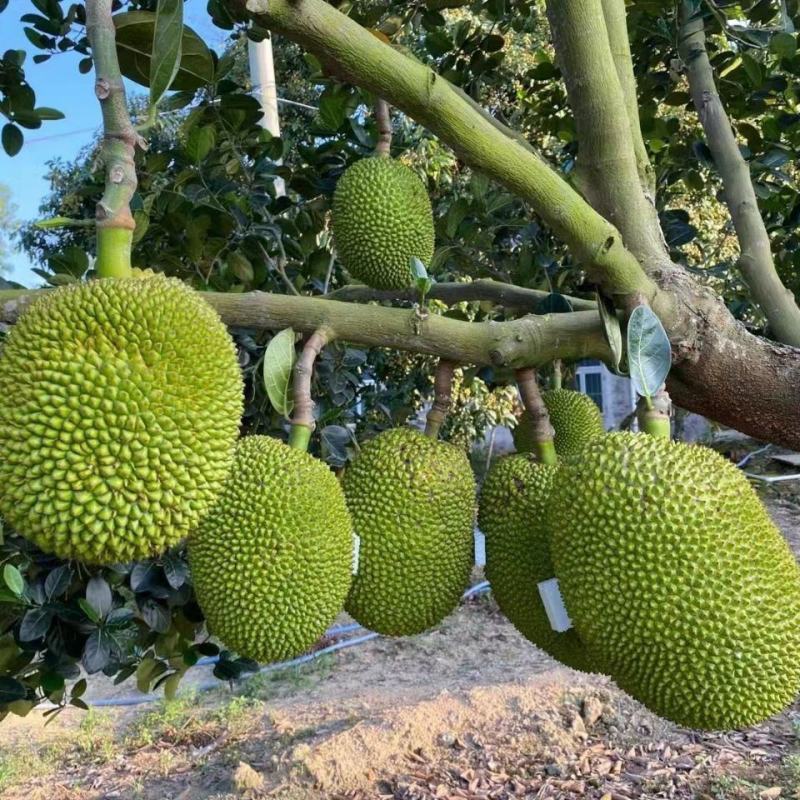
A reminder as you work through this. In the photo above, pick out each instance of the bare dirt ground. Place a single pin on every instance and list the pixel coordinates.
(469, 710)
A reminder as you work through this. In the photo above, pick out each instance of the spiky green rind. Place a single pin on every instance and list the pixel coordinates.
(677, 581)
(271, 564)
(382, 217)
(412, 500)
(120, 403)
(513, 505)
(575, 418)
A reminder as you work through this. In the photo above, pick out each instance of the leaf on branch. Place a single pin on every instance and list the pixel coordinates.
(135, 36)
(612, 331)
(554, 303)
(649, 351)
(279, 359)
(167, 38)
(13, 579)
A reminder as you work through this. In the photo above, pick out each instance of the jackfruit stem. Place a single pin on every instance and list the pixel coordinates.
(442, 397)
(303, 422)
(557, 376)
(653, 414)
(541, 430)
(115, 223)
(383, 120)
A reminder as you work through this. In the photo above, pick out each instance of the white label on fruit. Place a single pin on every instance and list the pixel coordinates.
(554, 605)
(356, 552)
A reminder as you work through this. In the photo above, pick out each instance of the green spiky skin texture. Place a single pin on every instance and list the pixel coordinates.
(511, 514)
(677, 581)
(382, 217)
(575, 418)
(271, 564)
(120, 405)
(412, 500)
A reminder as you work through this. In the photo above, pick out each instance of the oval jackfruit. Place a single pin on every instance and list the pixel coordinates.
(271, 564)
(512, 510)
(120, 403)
(412, 500)
(382, 217)
(575, 418)
(677, 581)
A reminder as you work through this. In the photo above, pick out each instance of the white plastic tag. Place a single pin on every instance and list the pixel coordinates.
(554, 605)
(356, 552)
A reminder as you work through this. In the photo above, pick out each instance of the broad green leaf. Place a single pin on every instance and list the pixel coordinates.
(783, 45)
(135, 32)
(12, 139)
(48, 114)
(649, 352)
(279, 359)
(98, 595)
(35, 624)
(167, 38)
(612, 331)
(89, 610)
(13, 579)
(200, 142)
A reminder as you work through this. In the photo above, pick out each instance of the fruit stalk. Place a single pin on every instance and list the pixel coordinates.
(383, 120)
(303, 419)
(542, 430)
(442, 397)
(653, 414)
(114, 221)
(557, 374)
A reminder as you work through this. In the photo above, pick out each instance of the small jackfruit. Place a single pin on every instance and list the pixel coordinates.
(575, 418)
(382, 217)
(677, 581)
(412, 500)
(271, 564)
(120, 403)
(512, 511)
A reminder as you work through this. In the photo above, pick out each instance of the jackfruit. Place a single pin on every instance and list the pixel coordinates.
(412, 500)
(575, 418)
(382, 217)
(271, 564)
(512, 510)
(120, 403)
(677, 581)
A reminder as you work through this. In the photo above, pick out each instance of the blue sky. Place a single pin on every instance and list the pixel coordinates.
(58, 84)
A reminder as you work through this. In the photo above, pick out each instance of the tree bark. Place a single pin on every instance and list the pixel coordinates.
(755, 262)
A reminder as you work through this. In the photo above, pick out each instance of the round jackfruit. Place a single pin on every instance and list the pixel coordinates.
(120, 403)
(382, 217)
(513, 504)
(271, 564)
(575, 418)
(412, 500)
(677, 581)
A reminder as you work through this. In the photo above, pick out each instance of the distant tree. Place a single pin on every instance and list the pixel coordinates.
(8, 226)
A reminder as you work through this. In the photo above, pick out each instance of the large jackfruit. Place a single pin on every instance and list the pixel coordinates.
(575, 418)
(513, 505)
(412, 500)
(271, 564)
(120, 403)
(677, 581)
(381, 218)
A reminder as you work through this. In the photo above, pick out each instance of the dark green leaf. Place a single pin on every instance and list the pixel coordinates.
(135, 31)
(47, 114)
(167, 37)
(279, 359)
(97, 651)
(783, 45)
(12, 139)
(200, 142)
(649, 352)
(11, 690)
(89, 610)
(58, 581)
(78, 688)
(13, 579)
(612, 331)
(176, 570)
(35, 624)
(98, 595)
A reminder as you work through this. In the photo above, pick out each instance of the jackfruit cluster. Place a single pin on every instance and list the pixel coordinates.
(575, 418)
(271, 564)
(512, 516)
(677, 581)
(120, 403)
(412, 500)
(382, 217)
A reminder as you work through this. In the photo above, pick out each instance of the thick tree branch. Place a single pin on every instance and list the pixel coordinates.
(115, 222)
(358, 56)
(506, 294)
(617, 27)
(529, 341)
(606, 164)
(756, 263)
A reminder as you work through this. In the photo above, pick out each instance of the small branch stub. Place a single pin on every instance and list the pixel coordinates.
(442, 398)
(383, 120)
(303, 418)
(543, 432)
